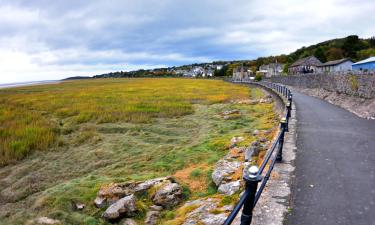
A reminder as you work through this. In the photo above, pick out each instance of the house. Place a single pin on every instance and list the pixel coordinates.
(336, 66)
(365, 65)
(241, 73)
(306, 65)
(272, 69)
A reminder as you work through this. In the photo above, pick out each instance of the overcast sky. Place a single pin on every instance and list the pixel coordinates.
(47, 40)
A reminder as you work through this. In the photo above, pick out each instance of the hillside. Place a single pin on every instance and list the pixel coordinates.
(349, 47)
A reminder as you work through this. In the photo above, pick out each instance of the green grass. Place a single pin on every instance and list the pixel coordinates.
(87, 153)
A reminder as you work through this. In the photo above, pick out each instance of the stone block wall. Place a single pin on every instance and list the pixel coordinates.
(361, 85)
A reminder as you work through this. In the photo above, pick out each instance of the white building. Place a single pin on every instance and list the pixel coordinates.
(336, 66)
(272, 69)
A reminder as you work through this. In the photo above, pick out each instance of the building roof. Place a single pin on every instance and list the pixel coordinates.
(336, 62)
(371, 59)
(311, 61)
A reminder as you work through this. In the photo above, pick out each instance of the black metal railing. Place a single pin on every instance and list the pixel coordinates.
(254, 175)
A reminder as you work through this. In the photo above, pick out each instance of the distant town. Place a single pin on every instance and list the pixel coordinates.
(333, 56)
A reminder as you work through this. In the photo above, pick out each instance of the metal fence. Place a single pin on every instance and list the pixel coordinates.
(254, 175)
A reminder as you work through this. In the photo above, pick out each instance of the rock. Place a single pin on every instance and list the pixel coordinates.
(156, 208)
(263, 139)
(202, 214)
(100, 202)
(123, 206)
(266, 100)
(256, 132)
(229, 188)
(215, 219)
(251, 151)
(46, 220)
(152, 217)
(129, 221)
(168, 195)
(227, 208)
(223, 170)
(108, 194)
(230, 112)
(236, 140)
(149, 183)
(79, 206)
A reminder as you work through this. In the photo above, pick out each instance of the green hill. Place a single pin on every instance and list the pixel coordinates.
(349, 47)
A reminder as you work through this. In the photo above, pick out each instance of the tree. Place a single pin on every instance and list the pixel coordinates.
(258, 76)
(334, 54)
(351, 45)
(372, 41)
(319, 53)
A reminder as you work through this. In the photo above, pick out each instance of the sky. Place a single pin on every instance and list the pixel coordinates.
(49, 40)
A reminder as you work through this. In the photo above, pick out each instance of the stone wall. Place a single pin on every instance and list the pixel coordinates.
(361, 85)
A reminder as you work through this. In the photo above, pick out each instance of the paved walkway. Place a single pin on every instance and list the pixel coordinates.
(335, 166)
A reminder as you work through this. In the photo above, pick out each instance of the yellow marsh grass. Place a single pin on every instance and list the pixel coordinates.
(31, 117)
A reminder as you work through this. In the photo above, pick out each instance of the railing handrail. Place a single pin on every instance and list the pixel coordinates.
(252, 194)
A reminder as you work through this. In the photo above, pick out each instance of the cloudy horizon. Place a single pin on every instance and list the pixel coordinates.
(43, 40)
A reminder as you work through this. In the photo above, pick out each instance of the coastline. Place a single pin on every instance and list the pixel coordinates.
(30, 83)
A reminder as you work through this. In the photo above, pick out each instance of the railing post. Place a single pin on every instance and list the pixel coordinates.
(288, 109)
(252, 179)
(283, 124)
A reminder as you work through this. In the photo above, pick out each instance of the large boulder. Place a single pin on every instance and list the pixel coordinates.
(229, 188)
(223, 170)
(123, 206)
(168, 195)
(108, 194)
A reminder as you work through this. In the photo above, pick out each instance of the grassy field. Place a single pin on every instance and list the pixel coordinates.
(60, 142)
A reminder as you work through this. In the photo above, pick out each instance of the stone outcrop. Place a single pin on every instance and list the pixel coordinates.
(121, 198)
(124, 206)
(152, 217)
(252, 150)
(168, 195)
(223, 171)
(109, 194)
(203, 214)
(229, 188)
(129, 221)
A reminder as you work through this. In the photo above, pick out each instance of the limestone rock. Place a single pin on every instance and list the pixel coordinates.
(109, 194)
(79, 206)
(129, 221)
(152, 217)
(143, 186)
(216, 219)
(251, 151)
(46, 220)
(223, 170)
(229, 188)
(236, 140)
(202, 214)
(230, 112)
(168, 195)
(123, 206)
(100, 202)
(156, 208)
